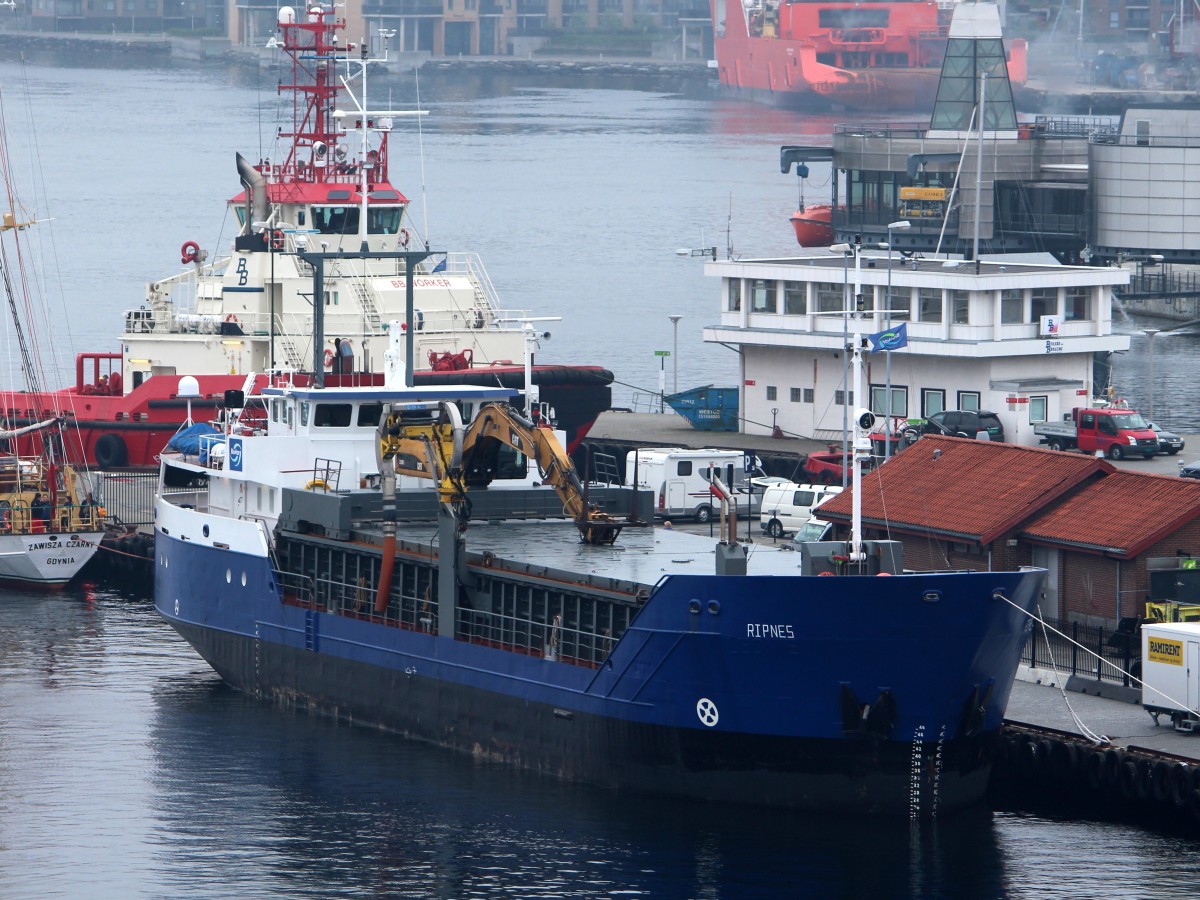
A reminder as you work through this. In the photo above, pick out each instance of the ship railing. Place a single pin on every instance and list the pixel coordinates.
(191, 498)
(553, 640)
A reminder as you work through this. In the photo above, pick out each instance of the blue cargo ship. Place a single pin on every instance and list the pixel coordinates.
(425, 559)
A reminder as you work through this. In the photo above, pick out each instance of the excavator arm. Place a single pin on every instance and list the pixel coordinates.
(441, 449)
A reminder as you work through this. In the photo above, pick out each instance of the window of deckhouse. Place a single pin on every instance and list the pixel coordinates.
(929, 303)
(795, 300)
(901, 305)
(1076, 307)
(735, 294)
(829, 298)
(762, 296)
(1012, 304)
(1042, 302)
(960, 306)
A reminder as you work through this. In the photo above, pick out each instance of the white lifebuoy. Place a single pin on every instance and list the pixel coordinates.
(328, 358)
(277, 240)
(231, 318)
(403, 237)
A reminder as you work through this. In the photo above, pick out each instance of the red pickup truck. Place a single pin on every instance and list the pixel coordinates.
(1114, 431)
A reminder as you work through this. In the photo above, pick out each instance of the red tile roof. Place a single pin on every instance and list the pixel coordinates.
(1123, 513)
(958, 487)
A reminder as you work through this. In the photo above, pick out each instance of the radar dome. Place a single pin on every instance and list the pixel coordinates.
(189, 386)
(286, 16)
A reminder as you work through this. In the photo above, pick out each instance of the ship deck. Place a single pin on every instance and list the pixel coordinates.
(641, 556)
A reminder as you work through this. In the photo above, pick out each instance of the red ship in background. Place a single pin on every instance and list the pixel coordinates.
(869, 56)
(325, 184)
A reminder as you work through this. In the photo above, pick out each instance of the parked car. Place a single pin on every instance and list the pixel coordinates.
(1191, 470)
(787, 507)
(1168, 441)
(961, 423)
(813, 530)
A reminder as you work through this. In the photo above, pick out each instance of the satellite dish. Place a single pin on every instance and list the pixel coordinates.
(341, 152)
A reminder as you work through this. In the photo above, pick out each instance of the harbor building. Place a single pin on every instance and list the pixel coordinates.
(1014, 338)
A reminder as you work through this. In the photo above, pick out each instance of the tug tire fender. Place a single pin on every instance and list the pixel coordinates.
(111, 452)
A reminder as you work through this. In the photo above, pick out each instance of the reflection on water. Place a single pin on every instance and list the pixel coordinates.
(127, 768)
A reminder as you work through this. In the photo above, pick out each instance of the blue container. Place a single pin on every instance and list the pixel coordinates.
(707, 408)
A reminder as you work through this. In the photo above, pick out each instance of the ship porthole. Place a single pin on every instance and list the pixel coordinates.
(694, 606)
(707, 711)
(714, 606)
(205, 531)
(229, 576)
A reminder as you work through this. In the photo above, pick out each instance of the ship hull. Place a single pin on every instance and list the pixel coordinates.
(45, 561)
(721, 689)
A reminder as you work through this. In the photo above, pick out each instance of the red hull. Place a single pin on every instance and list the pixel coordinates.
(812, 225)
(870, 56)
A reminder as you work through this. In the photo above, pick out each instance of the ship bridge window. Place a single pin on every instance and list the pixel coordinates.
(385, 220)
(240, 211)
(332, 415)
(369, 414)
(335, 219)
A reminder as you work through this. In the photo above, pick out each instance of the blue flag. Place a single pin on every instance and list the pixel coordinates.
(440, 267)
(892, 339)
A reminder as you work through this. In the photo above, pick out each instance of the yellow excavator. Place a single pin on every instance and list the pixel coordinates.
(460, 457)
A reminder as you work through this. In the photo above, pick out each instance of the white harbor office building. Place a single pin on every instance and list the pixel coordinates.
(1015, 338)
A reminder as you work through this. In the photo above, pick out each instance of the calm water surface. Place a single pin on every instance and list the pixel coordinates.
(127, 769)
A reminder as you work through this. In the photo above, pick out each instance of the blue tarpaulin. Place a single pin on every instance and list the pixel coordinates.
(187, 440)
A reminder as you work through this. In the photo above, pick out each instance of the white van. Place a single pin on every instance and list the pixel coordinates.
(787, 507)
(676, 476)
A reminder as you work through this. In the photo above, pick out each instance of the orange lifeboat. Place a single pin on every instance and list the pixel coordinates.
(812, 225)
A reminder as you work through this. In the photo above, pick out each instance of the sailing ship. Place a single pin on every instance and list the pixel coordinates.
(49, 528)
(326, 186)
(873, 56)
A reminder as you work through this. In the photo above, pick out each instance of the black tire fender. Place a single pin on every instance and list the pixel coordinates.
(110, 451)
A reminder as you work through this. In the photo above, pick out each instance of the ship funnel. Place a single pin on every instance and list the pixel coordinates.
(256, 191)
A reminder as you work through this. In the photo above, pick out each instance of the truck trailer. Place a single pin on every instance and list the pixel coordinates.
(1171, 672)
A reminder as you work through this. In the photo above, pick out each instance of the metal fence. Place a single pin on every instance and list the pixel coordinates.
(127, 497)
(1063, 646)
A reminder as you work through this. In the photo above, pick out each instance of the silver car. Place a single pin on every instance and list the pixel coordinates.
(1168, 441)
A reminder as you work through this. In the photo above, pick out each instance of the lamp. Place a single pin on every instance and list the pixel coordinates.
(902, 225)
(675, 347)
(1150, 333)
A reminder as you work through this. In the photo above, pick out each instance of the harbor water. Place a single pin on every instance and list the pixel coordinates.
(127, 768)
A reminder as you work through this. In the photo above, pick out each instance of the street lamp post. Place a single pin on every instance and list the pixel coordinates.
(887, 407)
(675, 348)
(1150, 333)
